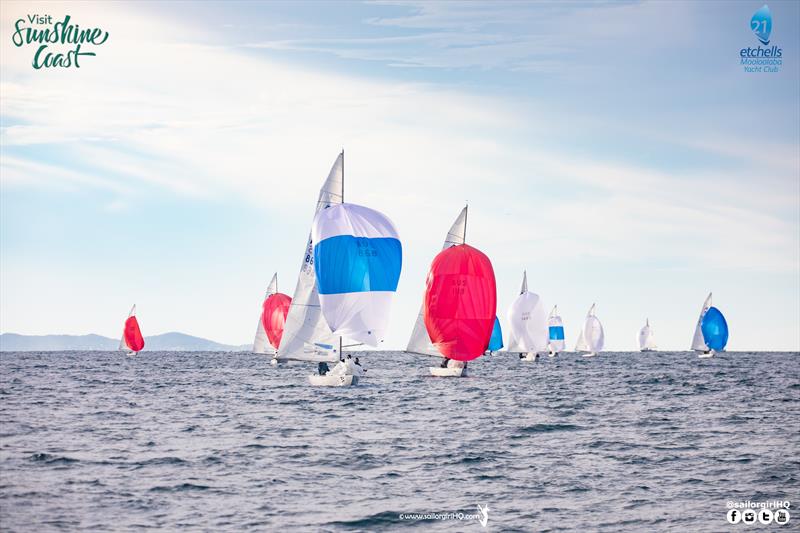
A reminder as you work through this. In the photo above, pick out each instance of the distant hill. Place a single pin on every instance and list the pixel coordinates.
(166, 342)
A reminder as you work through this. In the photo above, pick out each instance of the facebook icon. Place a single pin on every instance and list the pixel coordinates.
(734, 516)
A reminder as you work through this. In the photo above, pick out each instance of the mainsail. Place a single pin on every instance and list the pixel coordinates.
(646, 340)
(698, 343)
(305, 329)
(420, 341)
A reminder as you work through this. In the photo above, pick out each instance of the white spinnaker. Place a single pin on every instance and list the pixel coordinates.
(646, 339)
(698, 342)
(261, 343)
(123, 346)
(305, 325)
(420, 341)
(593, 334)
(527, 321)
(359, 316)
(554, 320)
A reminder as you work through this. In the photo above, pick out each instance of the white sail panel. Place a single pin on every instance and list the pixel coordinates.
(646, 339)
(260, 342)
(305, 325)
(554, 321)
(123, 346)
(420, 341)
(581, 345)
(698, 342)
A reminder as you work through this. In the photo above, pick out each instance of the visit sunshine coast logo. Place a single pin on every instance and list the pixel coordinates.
(59, 44)
(763, 58)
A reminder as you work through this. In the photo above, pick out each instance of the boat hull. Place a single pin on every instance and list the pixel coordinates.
(440, 372)
(708, 355)
(529, 357)
(333, 380)
(592, 354)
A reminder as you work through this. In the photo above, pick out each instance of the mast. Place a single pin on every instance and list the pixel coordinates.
(341, 354)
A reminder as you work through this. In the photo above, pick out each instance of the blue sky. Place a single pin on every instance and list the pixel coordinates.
(617, 151)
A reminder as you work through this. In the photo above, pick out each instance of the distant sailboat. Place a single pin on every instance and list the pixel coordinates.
(647, 342)
(460, 304)
(555, 328)
(711, 332)
(527, 321)
(272, 319)
(131, 341)
(306, 336)
(592, 337)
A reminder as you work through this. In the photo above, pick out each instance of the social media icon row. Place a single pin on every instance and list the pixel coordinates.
(765, 516)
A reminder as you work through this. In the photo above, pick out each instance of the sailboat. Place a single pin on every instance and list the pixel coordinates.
(460, 303)
(272, 319)
(555, 327)
(420, 342)
(496, 340)
(647, 342)
(528, 323)
(306, 336)
(357, 258)
(131, 341)
(711, 333)
(592, 337)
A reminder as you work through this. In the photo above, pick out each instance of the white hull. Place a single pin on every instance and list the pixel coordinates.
(529, 357)
(440, 372)
(647, 350)
(329, 380)
(706, 355)
(551, 354)
(591, 354)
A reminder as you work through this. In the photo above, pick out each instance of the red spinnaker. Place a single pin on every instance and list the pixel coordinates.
(133, 336)
(460, 302)
(273, 317)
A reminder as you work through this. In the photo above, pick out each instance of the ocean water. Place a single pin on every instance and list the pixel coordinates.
(215, 441)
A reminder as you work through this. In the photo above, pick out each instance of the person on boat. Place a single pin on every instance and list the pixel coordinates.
(323, 368)
(361, 368)
(444, 363)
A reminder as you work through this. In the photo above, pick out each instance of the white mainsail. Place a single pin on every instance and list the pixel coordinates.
(528, 321)
(123, 346)
(305, 330)
(698, 342)
(420, 341)
(646, 340)
(261, 343)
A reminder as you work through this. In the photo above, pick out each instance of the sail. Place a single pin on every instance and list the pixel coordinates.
(646, 339)
(260, 341)
(420, 341)
(593, 334)
(581, 345)
(715, 329)
(496, 340)
(131, 334)
(698, 343)
(527, 320)
(273, 317)
(460, 302)
(357, 258)
(305, 326)
(555, 328)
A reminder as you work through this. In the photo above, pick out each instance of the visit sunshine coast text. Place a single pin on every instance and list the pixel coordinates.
(41, 29)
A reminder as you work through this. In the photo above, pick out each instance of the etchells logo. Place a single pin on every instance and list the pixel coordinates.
(767, 59)
(60, 44)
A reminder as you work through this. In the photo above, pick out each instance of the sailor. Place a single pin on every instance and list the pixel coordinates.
(323, 368)
(444, 363)
(361, 368)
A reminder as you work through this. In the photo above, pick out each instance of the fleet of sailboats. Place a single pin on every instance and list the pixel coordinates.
(349, 273)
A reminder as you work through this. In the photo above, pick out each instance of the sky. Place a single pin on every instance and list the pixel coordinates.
(617, 151)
